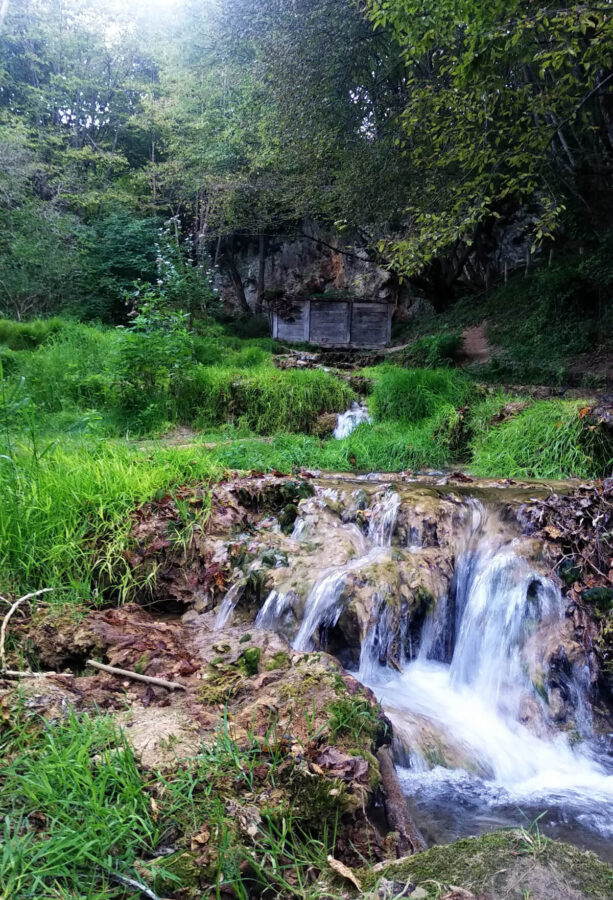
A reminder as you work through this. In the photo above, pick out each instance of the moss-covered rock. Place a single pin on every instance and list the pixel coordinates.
(503, 864)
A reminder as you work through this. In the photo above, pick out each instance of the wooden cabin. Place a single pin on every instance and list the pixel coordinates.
(334, 323)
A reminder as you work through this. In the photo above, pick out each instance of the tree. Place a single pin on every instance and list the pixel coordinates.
(507, 105)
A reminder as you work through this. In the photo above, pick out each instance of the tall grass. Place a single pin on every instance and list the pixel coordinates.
(74, 810)
(28, 335)
(80, 817)
(548, 440)
(411, 395)
(265, 400)
(65, 518)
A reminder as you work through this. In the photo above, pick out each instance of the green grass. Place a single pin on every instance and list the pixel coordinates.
(74, 810)
(547, 440)
(264, 400)
(28, 335)
(78, 810)
(412, 395)
(65, 519)
(113, 382)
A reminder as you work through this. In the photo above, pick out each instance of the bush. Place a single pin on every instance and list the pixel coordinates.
(548, 440)
(411, 395)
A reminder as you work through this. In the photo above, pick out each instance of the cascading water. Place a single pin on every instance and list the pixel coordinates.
(348, 421)
(475, 728)
(325, 602)
(228, 604)
(479, 742)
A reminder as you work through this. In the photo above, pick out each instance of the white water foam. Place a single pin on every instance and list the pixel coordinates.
(348, 421)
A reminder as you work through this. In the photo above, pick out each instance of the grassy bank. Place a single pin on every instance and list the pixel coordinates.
(74, 399)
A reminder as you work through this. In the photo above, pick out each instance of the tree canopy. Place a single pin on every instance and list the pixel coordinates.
(417, 125)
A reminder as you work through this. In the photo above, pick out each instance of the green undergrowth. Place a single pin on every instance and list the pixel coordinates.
(549, 439)
(66, 506)
(114, 382)
(535, 324)
(81, 818)
(65, 517)
(412, 395)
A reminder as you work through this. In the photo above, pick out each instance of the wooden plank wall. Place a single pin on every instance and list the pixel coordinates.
(336, 323)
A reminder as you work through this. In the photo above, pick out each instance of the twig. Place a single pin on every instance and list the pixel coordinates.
(132, 883)
(7, 619)
(125, 673)
(17, 673)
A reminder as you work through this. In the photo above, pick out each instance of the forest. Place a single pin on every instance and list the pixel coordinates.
(306, 450)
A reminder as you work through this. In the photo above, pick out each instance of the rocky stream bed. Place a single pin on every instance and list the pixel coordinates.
(424, 659)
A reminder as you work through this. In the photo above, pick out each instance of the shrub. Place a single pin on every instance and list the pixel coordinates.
(411, 395)
(548, 440)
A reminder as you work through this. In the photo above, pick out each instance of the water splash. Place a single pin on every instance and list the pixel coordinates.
(228, 604)
(326, 600)
(348, 421)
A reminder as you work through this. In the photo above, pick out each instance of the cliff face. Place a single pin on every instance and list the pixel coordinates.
(312, 261)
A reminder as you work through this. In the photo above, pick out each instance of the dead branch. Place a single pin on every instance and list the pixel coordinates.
(396, 806)
(15, 606)
(135, 676)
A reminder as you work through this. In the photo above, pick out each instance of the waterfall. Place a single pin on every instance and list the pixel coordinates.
(326, 601)
(474, 722)
(228, 604)
(486, 723)
(348, 421)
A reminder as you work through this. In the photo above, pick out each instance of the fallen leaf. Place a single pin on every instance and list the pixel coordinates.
(344, 871)
(200, 839)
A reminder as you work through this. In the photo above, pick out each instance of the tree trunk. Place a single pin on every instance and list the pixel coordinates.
(259, 296)
(235, 278)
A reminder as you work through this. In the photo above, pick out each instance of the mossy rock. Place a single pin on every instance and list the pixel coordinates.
(279, 660)
(600, 597)
(503, 864)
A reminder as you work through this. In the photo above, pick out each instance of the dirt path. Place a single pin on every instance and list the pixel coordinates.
(476, 347)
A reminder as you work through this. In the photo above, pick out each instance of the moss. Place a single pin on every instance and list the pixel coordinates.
(279, 660)
(178, 870)
(244, 639)
(249, 660)
(487, 863)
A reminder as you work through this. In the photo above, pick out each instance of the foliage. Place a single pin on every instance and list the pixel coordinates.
(503, 105)
(548, 440)
(411, 395)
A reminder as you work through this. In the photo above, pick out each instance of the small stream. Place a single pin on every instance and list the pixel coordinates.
(478, 742)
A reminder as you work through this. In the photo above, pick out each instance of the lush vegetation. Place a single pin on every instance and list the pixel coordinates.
(99, 817)
(430, 133)
(155, 162)
(83, 416)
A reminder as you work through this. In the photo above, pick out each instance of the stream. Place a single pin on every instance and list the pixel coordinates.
(489, 699)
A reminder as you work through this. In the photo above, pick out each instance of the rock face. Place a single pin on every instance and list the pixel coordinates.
(312, 262)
